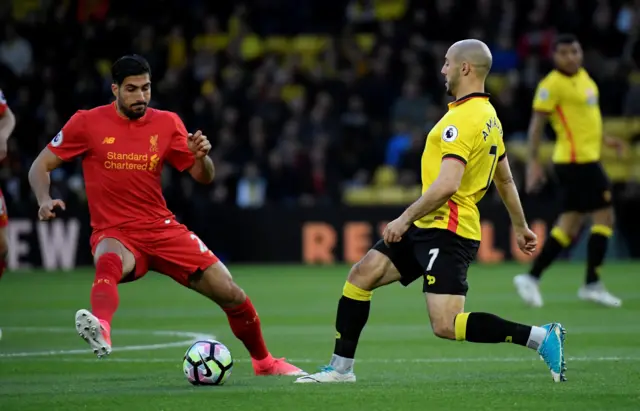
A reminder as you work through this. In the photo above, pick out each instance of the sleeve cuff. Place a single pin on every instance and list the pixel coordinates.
(455, 157)
(502, 157)
(189, 164)
(61, 155)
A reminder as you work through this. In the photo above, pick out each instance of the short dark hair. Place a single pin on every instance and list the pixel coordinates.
(565, 39)
(130, 65)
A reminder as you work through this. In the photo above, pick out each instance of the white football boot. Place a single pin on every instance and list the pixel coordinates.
(94, 332)
(528, 289)
(328, 374)
(596, 293)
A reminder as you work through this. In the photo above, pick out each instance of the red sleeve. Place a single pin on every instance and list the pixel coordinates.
(71, 141)
(179, 155)
(3, 104)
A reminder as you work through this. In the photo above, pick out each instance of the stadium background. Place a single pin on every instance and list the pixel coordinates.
(317, 112)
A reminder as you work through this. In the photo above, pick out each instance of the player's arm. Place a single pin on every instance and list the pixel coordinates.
(457, 142)
(456, 145)
(7, 121)
(202, 170)
(506, 186)
(616, 143)
(7, 124)
(189, 152)
(445, 186)
(536, 129)
(39, 174)
(68, 144)
(544, 102)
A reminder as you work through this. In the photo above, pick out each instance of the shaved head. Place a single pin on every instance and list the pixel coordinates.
(464, 59)
(474, 52)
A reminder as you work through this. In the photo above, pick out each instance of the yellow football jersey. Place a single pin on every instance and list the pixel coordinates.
(471, 133)
(572, 103)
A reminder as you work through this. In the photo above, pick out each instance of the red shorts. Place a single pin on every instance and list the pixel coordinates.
(4, 217)
(170, 249)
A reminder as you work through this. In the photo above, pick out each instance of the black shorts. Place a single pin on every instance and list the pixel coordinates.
(441, 256)
(585, 187)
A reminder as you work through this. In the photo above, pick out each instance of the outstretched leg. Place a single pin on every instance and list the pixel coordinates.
(113, 261)
(450, 322)
(217, 284)
(373, 271)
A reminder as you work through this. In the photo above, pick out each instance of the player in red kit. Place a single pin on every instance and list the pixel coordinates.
(123, 147)
(7, 124)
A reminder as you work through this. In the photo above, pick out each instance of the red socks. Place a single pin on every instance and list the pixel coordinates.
(245, 324)
(104, 294)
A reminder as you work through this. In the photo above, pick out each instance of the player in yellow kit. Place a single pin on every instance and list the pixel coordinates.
(437, 237)
(568, 98)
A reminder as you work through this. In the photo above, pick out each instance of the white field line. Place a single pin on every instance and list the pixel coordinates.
(187, 339)
(190, 337)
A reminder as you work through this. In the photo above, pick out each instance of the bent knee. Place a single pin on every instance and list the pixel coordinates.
(605, 217)
(217, 284)
(233, 295)
(367, 272)
(360, 275)
(443, 329)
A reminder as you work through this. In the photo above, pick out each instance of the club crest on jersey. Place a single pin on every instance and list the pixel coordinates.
(57, 140)
(543, 94)
(449, 133)
(592, 98)
(153, 143)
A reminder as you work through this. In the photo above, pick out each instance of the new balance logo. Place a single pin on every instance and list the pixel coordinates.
(109, 140)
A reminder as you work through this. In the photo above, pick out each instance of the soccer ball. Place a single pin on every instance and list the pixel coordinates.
(207, 362)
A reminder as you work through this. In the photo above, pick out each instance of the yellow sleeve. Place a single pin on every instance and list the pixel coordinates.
(458, 139)
(547, 96)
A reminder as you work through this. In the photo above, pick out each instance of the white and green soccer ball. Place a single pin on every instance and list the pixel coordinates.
(207, 362)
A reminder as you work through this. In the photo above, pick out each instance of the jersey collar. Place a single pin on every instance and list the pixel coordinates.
(565, 74)
(468, 97)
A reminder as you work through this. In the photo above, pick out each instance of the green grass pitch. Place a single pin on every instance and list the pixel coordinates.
(401, 366)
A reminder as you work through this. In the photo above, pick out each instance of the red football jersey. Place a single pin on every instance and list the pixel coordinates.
(122, 162)
(3, 103)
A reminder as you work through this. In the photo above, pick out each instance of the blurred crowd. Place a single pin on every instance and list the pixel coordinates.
(301, 98)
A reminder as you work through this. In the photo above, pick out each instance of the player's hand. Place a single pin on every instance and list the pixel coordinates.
(394, 231)
(527, 240)
(199, 144)
(535, 177)
(618, 144)
(46, 211)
